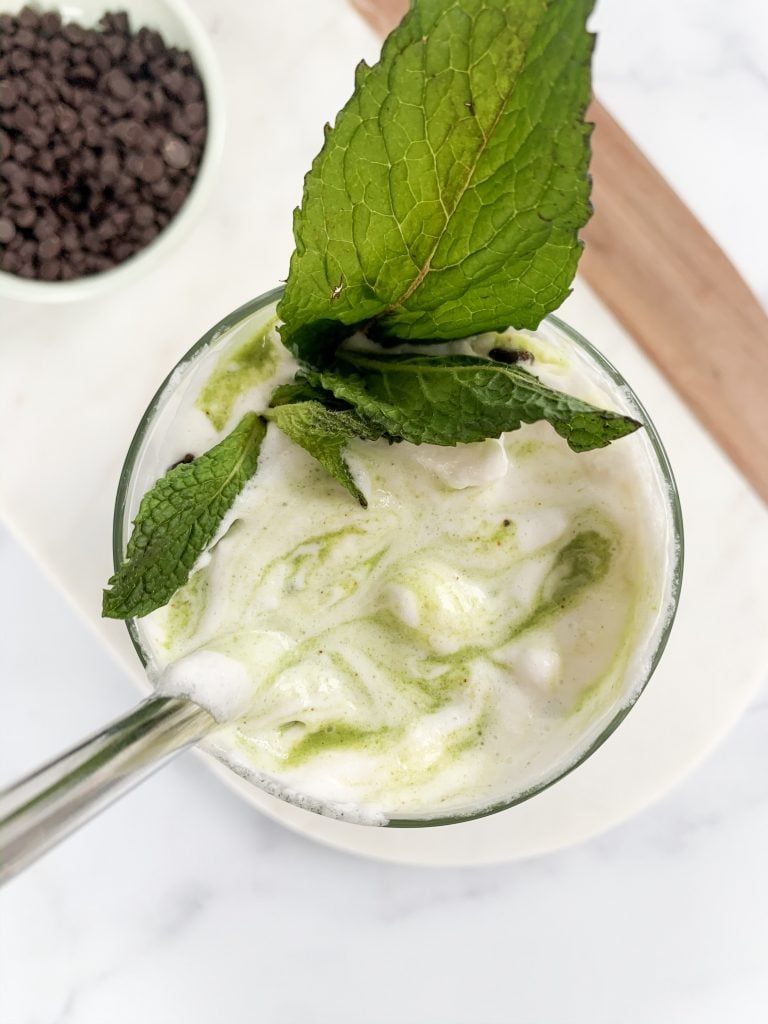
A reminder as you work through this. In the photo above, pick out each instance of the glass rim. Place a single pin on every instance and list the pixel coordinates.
(673, 508)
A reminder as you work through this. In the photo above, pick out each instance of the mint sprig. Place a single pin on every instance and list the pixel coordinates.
(448, 195)
(457, 399)
(178, 519)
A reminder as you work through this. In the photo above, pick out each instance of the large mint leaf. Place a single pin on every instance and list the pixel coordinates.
(447, 198)
(177, 520)
(458, 399)
(325, 434)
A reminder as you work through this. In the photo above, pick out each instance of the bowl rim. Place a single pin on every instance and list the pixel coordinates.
(25, 289)
(673, 507)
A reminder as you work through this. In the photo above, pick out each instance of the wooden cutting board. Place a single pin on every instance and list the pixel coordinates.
(670, 285)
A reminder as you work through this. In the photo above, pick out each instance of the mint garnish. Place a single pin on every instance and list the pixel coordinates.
(456, 399)
(447, 198)
(325, 433)
(446, 202)
(178, 519)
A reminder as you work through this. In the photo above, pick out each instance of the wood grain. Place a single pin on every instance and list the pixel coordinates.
(670, 285)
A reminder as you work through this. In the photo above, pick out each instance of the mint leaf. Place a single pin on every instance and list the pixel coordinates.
(447, 198)
(178, 518)
(301, 389)
(325, 433)
(455, 399)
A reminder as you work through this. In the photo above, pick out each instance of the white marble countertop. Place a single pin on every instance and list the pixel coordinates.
(179, 905)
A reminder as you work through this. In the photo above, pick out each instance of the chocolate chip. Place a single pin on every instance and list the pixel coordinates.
(7, 230)
(195, 114)
(144, 214)
(176, 153)
(66, 118)
(25, 39)
(511, 355)
(9, 94)
(22, 153)
(50, 270)
(150, 169)
(25, 217)
(100, 59)
(119, 84)
(20, 61)
(59, 49)
(73, 33)
(50, 23)
(49, 248)
(24, 117)
(28, 17)
(83, 74)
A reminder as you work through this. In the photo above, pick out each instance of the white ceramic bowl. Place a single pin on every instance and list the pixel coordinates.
(178, 27)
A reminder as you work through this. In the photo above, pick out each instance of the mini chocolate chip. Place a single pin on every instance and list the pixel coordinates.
(9, 261)
(44, 228)
(25, 218)
(28, 17)
(129, 132)
(177, 198)
(176, 153)
(45, 161)
(9, 94)
(119, 84)
(144, 214)
(191, 90)
(195, 114)
(7, 230)
(116, 46)
(151, 169)
(20, 61)
(25, 39)
(66, 119)
(511, 355)
(83, 74)
(120, 23)
(73, 33)
(59, 49)
(49, 248)
(50, 23)
(49, 270)
(100, 59)
(22, 153)
(161, 188)
(37, 136)
(24, 116)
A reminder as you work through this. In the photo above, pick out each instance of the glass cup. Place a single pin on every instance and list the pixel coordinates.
(144, 463)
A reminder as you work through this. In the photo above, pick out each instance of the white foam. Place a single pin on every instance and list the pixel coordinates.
(217, 683)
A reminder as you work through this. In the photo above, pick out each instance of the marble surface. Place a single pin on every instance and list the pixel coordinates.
(178, 906)
(181, 905)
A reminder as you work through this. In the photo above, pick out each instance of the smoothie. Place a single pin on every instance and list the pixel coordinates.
(456, 645)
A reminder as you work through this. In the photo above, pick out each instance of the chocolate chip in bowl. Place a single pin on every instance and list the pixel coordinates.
(110, 126)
